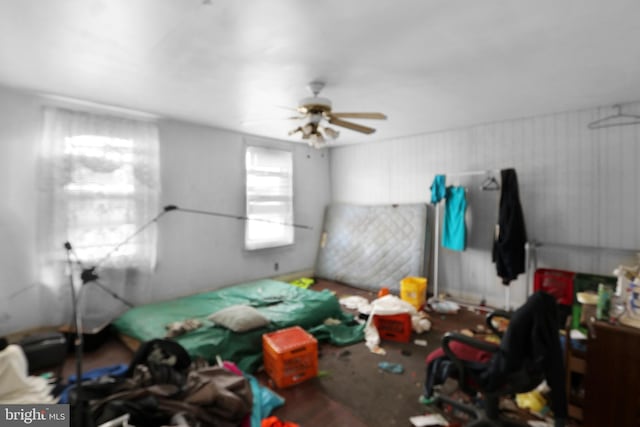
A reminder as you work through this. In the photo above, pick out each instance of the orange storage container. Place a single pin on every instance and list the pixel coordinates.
(290, 356)
(393, 327)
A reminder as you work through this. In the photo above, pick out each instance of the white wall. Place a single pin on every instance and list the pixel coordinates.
(21, 300)
(201, 168)
(578, 186)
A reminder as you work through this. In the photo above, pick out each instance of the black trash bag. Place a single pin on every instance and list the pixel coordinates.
(166, 360)
(143, 412)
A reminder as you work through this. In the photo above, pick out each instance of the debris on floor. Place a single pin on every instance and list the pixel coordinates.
(428, 420)
(394, 368)
(420, 322)
(534, 423)
(303, 282)
(353, 302)
(274, 421)
(533, 401)
(443, 307)
(344, 354)
(323, 373)
(330, 321)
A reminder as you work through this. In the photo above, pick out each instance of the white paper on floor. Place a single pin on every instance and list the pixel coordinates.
(429, 420)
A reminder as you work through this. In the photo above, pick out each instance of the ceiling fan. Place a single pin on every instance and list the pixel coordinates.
(317, 110)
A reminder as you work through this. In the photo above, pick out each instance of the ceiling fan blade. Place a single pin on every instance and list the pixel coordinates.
(377, 116)
(296, 110)
(349, 125)
(253, 122)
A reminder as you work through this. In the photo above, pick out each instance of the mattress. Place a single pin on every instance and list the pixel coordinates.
(283, 304)
(370, 247)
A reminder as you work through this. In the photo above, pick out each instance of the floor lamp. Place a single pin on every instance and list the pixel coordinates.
(80, 414)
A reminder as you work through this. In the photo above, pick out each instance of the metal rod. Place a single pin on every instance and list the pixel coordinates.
(467, 173)
(437, 225)
(89, 274)
(134, 234)
(507, 298)
(170, 208)
(78, 339)
(535, 245)
(435, 253)
(240, 217)
(529, 254)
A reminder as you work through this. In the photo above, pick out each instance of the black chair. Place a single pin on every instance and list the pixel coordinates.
(529, 352)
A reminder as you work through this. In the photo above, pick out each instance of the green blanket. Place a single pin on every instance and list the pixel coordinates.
(285, 305)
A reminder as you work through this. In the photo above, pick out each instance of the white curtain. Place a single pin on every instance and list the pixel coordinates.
(99, 185)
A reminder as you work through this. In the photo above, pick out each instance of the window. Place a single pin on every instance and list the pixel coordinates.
(269, 192)
(101, 203)
(100, 184)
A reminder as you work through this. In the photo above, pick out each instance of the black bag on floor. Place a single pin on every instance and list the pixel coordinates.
(166, 360)
(44, 350)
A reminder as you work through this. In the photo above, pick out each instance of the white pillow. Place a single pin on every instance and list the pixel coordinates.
(239, 318)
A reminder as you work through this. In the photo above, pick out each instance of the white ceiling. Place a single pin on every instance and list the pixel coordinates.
(429, 65)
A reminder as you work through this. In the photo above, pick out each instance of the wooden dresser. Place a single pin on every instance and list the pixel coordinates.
(612, 382)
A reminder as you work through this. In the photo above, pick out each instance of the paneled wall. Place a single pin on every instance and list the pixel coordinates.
(577, 186)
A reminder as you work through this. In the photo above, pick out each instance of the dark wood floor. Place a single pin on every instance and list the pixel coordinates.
(350, 390)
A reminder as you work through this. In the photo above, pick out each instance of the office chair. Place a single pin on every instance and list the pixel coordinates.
(529, 352)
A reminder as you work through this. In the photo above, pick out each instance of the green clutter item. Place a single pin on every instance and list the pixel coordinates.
(394, 368)
(284, 305)
(303, 282)
(347, 332)
(582, 283)
(426, 400)
(604, 301)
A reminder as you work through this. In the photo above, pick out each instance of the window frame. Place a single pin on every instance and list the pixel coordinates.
(76, 196)
(61, 156)
(288, 238)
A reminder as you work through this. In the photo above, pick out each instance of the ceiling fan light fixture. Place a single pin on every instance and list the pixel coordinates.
(316, 140)
(331, 133)
(318, 112)
(294, 131)
(316, 118)
(308, 129)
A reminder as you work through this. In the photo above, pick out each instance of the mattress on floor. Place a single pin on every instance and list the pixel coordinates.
(373, 246)
(283, 304)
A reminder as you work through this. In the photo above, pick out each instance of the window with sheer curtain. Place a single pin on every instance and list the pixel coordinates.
(269, 198)
(99, 185)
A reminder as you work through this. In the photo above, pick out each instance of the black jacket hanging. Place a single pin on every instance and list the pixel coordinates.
(511, 235)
